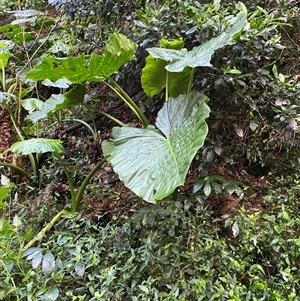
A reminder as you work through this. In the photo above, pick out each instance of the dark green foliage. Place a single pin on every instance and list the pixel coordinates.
(178, 250)
(170, 252)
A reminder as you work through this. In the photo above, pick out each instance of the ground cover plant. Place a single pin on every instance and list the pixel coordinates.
(220, 220)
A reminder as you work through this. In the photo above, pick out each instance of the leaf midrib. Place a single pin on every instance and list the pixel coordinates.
(172, 153)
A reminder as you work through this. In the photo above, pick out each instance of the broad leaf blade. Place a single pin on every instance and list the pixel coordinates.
(153, 163)
(119, 50)
(72, 68)
(37, 145)
(51, 295)
(155, 76)
(57, 102)
(48, 264)
(32, 104)
(201, 55)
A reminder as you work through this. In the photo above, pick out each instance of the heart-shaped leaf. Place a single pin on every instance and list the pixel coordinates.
(153, 163)
(201, 55)
(119, 50)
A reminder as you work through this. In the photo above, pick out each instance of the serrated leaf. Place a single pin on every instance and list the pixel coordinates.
(119, 50)
(200, 55)
(48, 264)
(153, 163)
(38, 146)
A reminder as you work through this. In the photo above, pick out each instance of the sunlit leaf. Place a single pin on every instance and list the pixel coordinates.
(153, 163)
(119, 50)
(155, 76)
(51, 295)
(5, 181)
(207, 189)
(32, 104)
(37, 259)
(235, 229)
(79, 269)
(48, 264)
(200, 55)
(60, 83)
(37, 145)
(58, 102)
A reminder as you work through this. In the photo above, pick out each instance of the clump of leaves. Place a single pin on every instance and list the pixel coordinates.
(141, 256)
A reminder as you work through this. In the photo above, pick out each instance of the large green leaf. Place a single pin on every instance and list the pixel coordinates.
(153, 163)
(57, 102)
(155, 78)
(119, 50)
(37, 145)
(201, 55)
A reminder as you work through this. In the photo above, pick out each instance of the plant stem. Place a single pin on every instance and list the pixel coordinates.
(78, 198)
(46, 228)
(3, 79)
(167, 86)
(71, 185)
(120, 123)
(191, 81)
(17, 168)
(22, 136)
(126, 98)
(85, 124)
(8, 273)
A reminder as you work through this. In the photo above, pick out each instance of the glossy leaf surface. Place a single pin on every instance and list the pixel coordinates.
(154, 162)
(201, 55)
(119, 50)
(57, 102)
(37, 145)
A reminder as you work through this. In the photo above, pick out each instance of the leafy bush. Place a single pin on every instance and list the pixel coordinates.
(170, 252)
